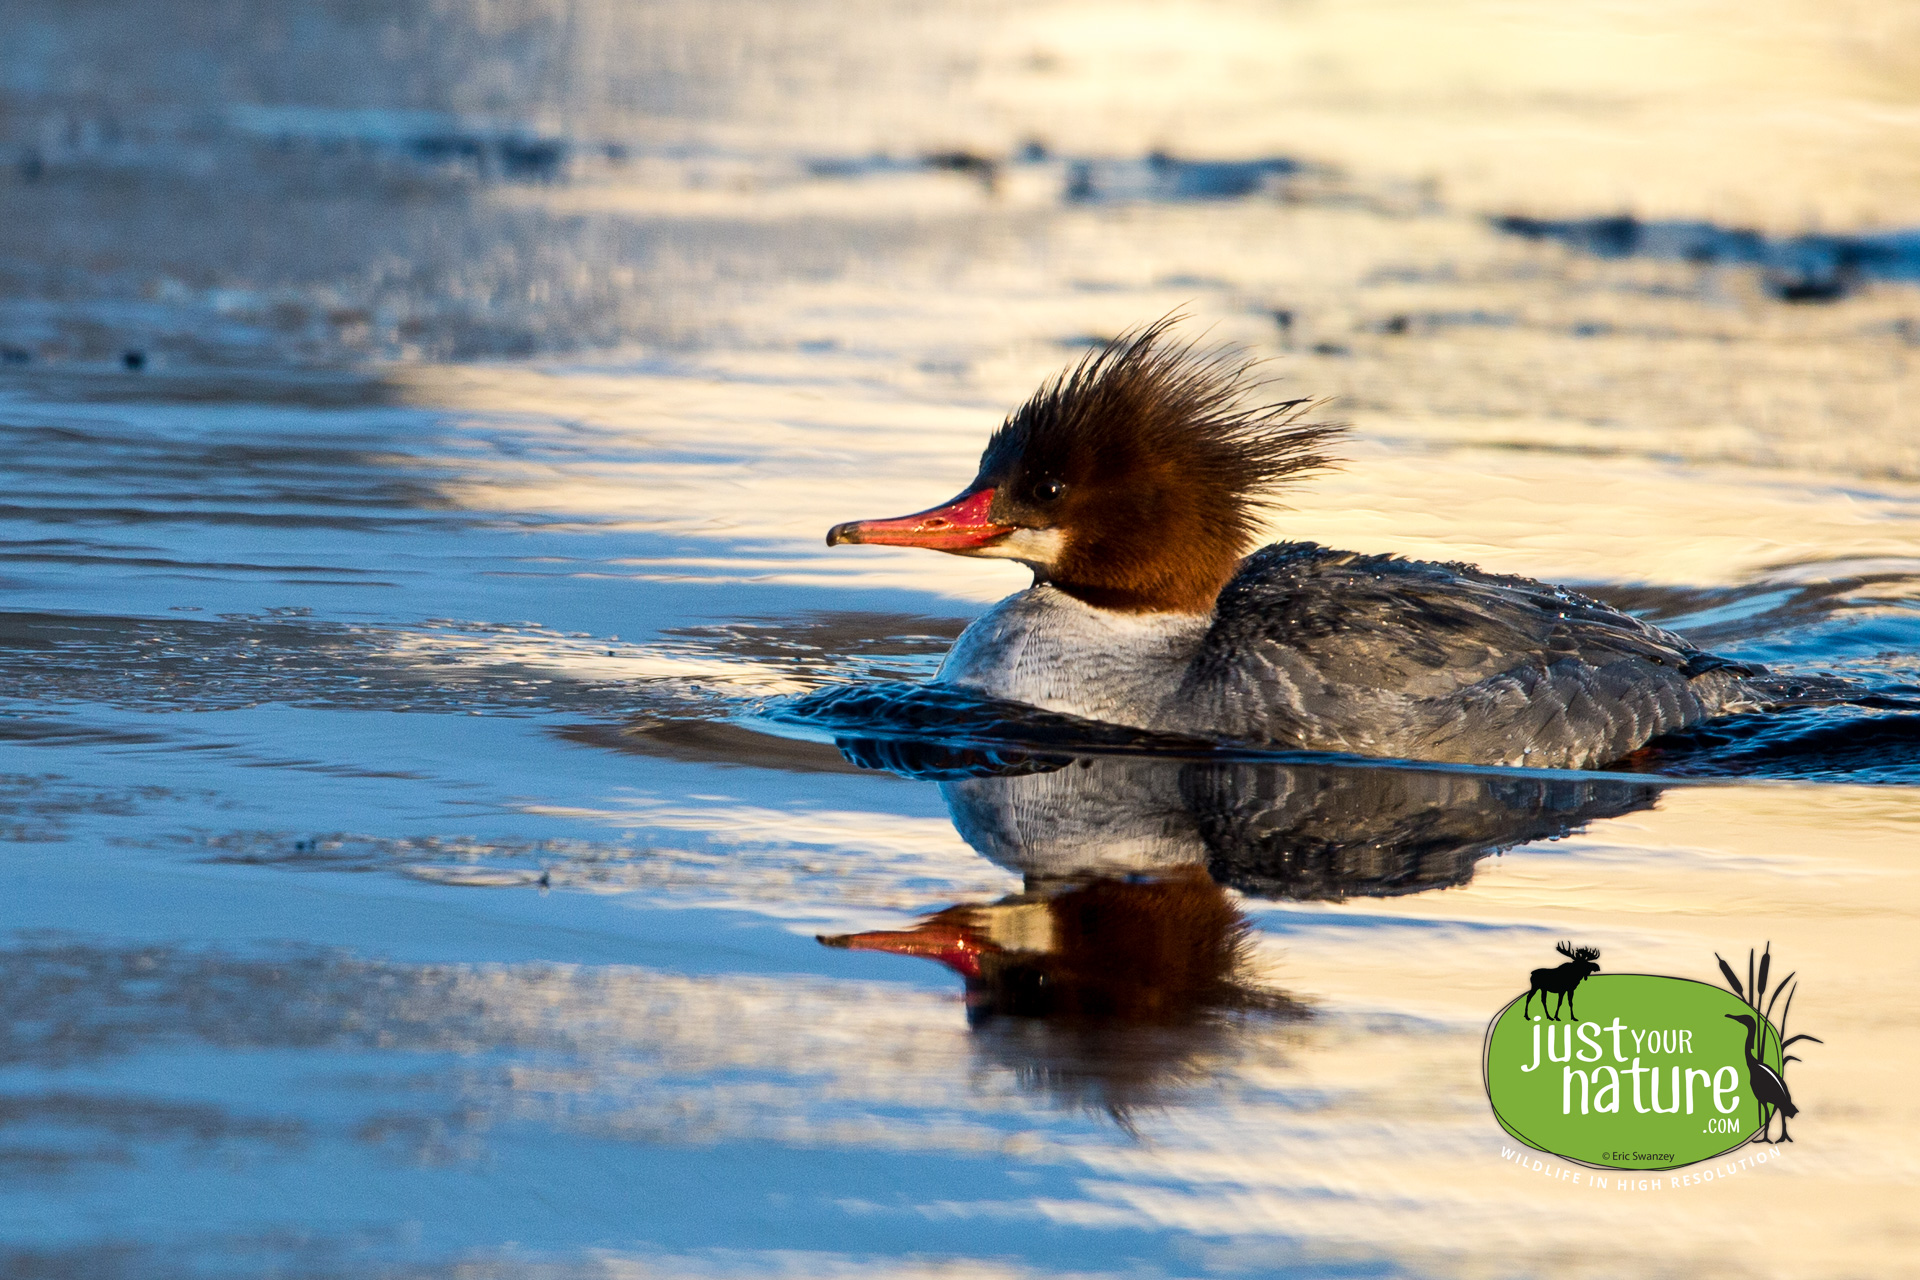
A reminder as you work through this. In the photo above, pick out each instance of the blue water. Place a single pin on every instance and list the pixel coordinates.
(428, 771)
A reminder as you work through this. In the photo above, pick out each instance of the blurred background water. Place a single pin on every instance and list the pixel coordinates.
(420, 422)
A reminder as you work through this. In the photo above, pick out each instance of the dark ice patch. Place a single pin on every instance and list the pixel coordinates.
(1815, 267)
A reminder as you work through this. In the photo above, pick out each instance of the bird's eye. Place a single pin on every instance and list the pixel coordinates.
(1048, 490)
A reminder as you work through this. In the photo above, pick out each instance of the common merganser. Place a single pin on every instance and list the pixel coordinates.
(1133, 485)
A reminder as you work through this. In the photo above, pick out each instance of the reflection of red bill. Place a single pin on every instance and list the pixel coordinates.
(952, 945)
(959, 525)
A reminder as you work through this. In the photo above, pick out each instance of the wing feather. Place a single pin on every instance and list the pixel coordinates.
(1332, 650)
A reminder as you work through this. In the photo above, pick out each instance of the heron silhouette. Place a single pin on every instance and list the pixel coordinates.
(1769, 1090)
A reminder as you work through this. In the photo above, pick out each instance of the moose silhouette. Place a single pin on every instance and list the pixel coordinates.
(1562, 979)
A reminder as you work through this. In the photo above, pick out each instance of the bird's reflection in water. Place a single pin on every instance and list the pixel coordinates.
(1125, 966)
(1102, 989)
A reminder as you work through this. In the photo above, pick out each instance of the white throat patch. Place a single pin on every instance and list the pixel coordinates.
(1038, 549)
(1047, 649)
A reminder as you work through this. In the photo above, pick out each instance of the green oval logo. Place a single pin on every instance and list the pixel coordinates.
(1652, 1073)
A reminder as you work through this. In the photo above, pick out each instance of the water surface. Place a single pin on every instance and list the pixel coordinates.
(419, 427)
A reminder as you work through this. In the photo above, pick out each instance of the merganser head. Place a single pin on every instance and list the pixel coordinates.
(1133, 481)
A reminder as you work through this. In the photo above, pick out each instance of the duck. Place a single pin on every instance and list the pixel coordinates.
(1134, 486)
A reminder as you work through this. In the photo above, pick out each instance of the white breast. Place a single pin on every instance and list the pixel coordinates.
(1047, 649)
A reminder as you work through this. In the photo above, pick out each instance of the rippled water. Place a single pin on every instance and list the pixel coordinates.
(420, 422)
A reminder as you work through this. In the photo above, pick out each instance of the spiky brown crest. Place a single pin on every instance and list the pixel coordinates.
(1157, 464)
